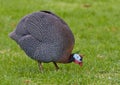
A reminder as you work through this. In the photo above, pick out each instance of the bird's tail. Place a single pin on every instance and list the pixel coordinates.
(14, 36)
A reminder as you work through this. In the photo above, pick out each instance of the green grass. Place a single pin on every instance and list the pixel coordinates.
(96, 27)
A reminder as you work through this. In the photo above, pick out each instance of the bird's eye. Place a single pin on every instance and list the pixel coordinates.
(77, 57)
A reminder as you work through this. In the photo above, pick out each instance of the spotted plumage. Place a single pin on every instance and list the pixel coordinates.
(44, 37)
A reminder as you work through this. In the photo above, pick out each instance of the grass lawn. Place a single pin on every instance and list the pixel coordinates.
(96, 27)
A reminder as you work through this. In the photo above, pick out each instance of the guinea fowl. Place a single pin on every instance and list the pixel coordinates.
(45, 37)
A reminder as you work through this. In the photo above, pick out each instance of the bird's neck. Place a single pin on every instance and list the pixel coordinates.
(71, 59)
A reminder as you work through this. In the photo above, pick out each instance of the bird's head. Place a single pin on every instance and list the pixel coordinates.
(78, 59)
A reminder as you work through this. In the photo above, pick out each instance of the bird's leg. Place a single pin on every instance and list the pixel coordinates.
(56, 66)
(40, 66)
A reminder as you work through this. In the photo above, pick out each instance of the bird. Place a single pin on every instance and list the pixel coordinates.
(45, 37)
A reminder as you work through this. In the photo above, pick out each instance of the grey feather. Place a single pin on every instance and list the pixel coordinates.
(44, 37)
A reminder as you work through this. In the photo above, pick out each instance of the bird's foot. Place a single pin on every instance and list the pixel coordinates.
(56, 66)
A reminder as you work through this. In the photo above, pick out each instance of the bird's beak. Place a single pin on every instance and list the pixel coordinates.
(80, 63)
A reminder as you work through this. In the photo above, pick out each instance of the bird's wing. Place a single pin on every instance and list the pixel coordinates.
(44, 24)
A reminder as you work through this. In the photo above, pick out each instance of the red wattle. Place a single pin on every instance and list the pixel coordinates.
(78, 62)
